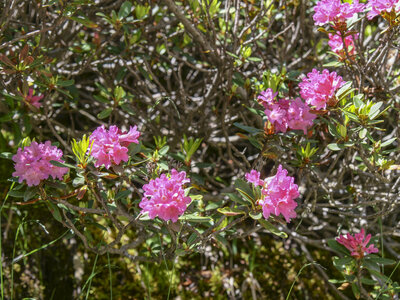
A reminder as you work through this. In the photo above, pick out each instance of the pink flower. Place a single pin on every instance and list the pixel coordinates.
(379, 7)
(278, 193)
(267, 97)
(357, 245)
(318, 89)
(336, 44)
(164, 197)
(33, 100)
(254, 178)
(33, 163)
(299, 116)
(110, 146)
(286, 114)
(335, 11)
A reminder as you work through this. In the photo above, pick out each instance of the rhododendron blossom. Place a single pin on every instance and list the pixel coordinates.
(379, 7)
(254, 178)
(357, 244)
(33, 100)
(164, 197)
(33, 163)
(267, 97)
(278, 193)
(286, 114)
(110, 146)
(335, 11)
(336, 44)
(319, 89)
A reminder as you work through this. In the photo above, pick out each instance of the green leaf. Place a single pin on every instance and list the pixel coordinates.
(271, 228)
(388, 142)
(122, 194)
(380, 260)
(227, 211)
(101, 99)
(351, 115)
(344, 90)
(126, 107)
(234, 197)
(192, 238)
(30, 193)
(255, 215)
(163, 150)
(62, 164)
(247, 128)
(368, 281)
(335, 147)
(355, 290)
(243, 186)
(84, 21)
(54, 211)
(65, 82)
(7, 118)
(16, 194)
(333, 64)
(195, 218)
(340, 263)
(255, 143)
(374, 111)
(357, 100)
(105, 113)
(362, 133)
(370, 265)
(119, 93)
(334, 245)
(245, 195)
(99, 226)
(379, 275)
(125, 10)
(342, 130)
(337, 281)
(6, 155)
(255, 59)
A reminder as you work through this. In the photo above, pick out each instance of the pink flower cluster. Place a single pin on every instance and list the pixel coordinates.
(336, 44)
(278, 193)
(33, 100)
(379, 7)
(286, 113)
(335, 11)
(164, 197)
(319, 89)
(357, 244)
(110, 146)
(33, 163)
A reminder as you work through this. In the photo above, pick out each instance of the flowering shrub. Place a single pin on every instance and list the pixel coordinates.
(33, 100)
(318, 89)
(164, 197)
(110, 146)
(357, 244)
(286, 114)
(382, 7)
(278, 193)
(336, 12)
(32, 163)
(336, 44)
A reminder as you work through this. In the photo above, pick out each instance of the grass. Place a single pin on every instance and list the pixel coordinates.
(1, 249)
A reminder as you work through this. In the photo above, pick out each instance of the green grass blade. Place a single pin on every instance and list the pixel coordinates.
(1, 249)
(109, 272)
(40, 248)
(89, 280)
